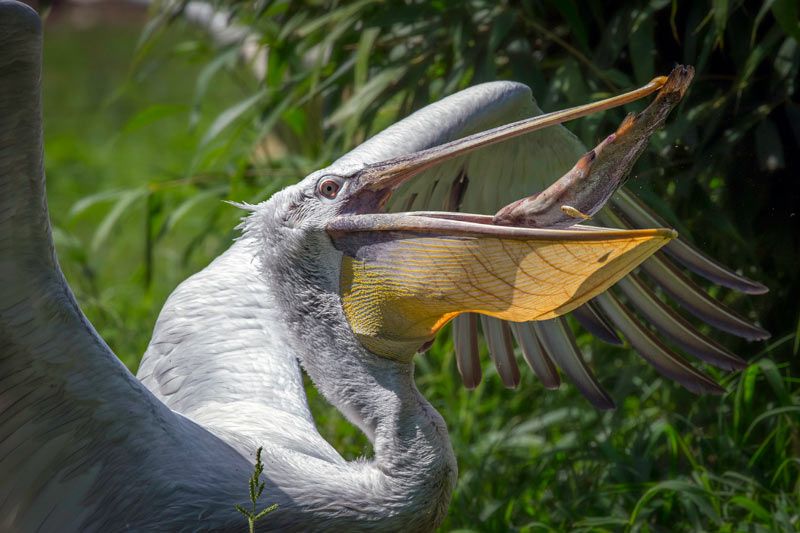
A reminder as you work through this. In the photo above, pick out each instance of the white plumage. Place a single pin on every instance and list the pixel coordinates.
(85, 446)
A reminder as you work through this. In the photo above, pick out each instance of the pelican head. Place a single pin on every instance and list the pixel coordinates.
(400, 277)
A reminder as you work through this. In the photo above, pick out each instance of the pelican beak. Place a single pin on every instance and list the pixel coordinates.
(403, 276)
(388, 175)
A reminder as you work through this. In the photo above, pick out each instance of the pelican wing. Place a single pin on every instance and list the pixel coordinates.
(492, 177)
(73, 420)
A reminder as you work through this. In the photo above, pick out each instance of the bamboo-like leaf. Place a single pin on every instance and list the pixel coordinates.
(224, 58)
(500, 28)
(765, 7)
(787, 13)
(796, 345)
(124, 202)
(87, 202)
(719, 9)
(180, 212)
(365, 96)
(227, 117)
(640, 46)
(152, 114)
(332, 17)
(775, 380)
(363, 51)
(752, 506)
(575, 21)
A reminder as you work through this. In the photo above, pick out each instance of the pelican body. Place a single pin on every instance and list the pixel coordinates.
(321, 278)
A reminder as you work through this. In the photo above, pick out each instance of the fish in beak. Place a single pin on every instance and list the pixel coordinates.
(405, 275)
(583, 191)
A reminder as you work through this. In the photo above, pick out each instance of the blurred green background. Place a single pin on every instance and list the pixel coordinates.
(149, 124)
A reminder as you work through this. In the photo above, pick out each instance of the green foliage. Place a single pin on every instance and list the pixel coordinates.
(256, 487)
(136, 175)
(663, 460)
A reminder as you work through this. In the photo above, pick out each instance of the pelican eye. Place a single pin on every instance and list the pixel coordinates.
(329, 188)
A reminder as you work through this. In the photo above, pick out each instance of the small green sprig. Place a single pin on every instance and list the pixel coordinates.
(256, 488)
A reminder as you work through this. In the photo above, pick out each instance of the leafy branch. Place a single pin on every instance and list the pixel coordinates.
(256, 488)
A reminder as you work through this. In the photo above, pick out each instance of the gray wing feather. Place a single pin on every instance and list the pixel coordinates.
(653, 350)
(534, 354)
(559, 343)
(688, 294)
(465, 341)
(498, 337)
(695, 300)
(593, 322)
(675, 327)
(683, 252)
(74, 422)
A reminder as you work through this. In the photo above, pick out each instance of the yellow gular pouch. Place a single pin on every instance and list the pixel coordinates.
(399, 295)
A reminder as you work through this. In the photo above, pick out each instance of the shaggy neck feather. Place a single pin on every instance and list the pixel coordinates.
(413, 456)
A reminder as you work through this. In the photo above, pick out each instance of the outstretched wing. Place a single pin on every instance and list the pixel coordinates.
(487, 179)
(74, 423)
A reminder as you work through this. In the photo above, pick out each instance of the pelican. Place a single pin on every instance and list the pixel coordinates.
(323, 278)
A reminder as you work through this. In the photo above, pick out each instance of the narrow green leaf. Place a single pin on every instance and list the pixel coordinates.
(152, 114)
(87, 202)
(759, 53)
(230, 115)
(177, 214)
(749, 382)
(365, 43)
(769, 414)
(575, 21)
(291, 26)
(752, 506)
(720, 11)
(104, 229)
(339, 14)
(787, 13)
(640, 46)
(796, 346)
(673, 485)
(789, 461)
(500, 28)
(775, 380)
(363, 98)
(224, 58)
(765, 7)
